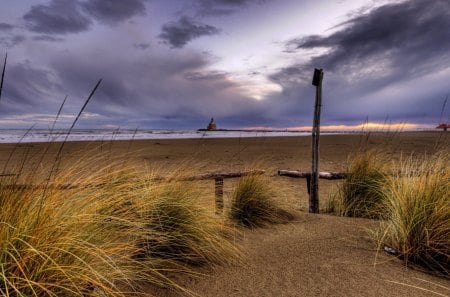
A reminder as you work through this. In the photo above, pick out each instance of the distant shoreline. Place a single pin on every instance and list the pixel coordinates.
(104, 135)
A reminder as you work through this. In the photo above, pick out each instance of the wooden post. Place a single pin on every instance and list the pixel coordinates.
(314, 182)
(218, 183)
(308, 184)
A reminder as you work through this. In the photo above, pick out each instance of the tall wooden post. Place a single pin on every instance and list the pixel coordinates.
(314, 182)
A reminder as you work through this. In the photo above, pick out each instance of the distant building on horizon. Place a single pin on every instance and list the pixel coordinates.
(443, 126)
(211, 126)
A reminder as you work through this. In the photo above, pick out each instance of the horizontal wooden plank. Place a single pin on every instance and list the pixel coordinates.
(304, 174)
(205, 176)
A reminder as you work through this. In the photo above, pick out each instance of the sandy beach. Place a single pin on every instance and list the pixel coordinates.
(315, 255)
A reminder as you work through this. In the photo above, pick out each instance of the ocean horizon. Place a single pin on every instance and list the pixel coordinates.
(45, 135)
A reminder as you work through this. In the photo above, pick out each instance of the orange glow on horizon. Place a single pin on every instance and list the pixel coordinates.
(363, 127)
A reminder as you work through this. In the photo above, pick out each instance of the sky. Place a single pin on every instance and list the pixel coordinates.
(174, 64)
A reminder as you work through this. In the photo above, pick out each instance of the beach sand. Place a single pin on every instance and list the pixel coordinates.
(315, 255)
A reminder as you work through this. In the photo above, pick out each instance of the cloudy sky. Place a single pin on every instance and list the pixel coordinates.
(247, 63)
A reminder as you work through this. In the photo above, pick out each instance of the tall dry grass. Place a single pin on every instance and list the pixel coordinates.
(100, 228)
(360, 193)
(253, 203)
(181, 230)
(56, 242)
(416, 202)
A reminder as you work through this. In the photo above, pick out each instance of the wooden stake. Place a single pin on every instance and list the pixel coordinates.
(314, 182)
(218, 184)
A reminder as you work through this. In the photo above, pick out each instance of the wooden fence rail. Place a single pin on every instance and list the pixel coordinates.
(303, 174)
(217, 176)
(307, 175)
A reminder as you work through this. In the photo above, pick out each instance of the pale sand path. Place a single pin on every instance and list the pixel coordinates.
(318, 255)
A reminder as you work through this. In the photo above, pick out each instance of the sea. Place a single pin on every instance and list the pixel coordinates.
(40, 135)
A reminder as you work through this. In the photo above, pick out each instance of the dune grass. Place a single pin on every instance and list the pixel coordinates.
(253, 204)
(412, 202)
(417, 206)
(100, 228)
(55, 243)
(182, 230)
(360, 193)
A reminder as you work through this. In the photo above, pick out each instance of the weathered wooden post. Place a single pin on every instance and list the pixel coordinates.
(314, 181)
(218, 184)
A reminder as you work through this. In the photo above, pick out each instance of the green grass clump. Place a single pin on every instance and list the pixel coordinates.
(417, 206)
(359, 195)
(253, 203)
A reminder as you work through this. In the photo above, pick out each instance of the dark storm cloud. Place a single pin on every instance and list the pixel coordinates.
(28, 89)
(113, 11)
(12, 41)
(208, 75)
(47, 38)
(409, 38)
(74, 16)
(166, 91)
(6, 27)
(383, 49)
(141, 46)
(222, 7)
(57, 17)
(179, 33)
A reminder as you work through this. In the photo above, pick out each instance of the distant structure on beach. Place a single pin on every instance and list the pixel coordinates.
(443, 127)
(211, 126)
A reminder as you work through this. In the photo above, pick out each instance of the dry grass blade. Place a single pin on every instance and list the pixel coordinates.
(5, 167)
(58, 114)
(78, 115)
(58, 154)
(418, 288)
(3, 75)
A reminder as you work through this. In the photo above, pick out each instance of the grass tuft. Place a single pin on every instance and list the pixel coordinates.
(359, 195)
(179, 229)
(83, 232)
(253, 205)
(57, 243)
(417, 206)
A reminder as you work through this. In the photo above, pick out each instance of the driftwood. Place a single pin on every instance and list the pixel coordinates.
(206, 176)
(218, 182)
(303, 174)
(217, 176)
(213, 175)
(307, 175)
